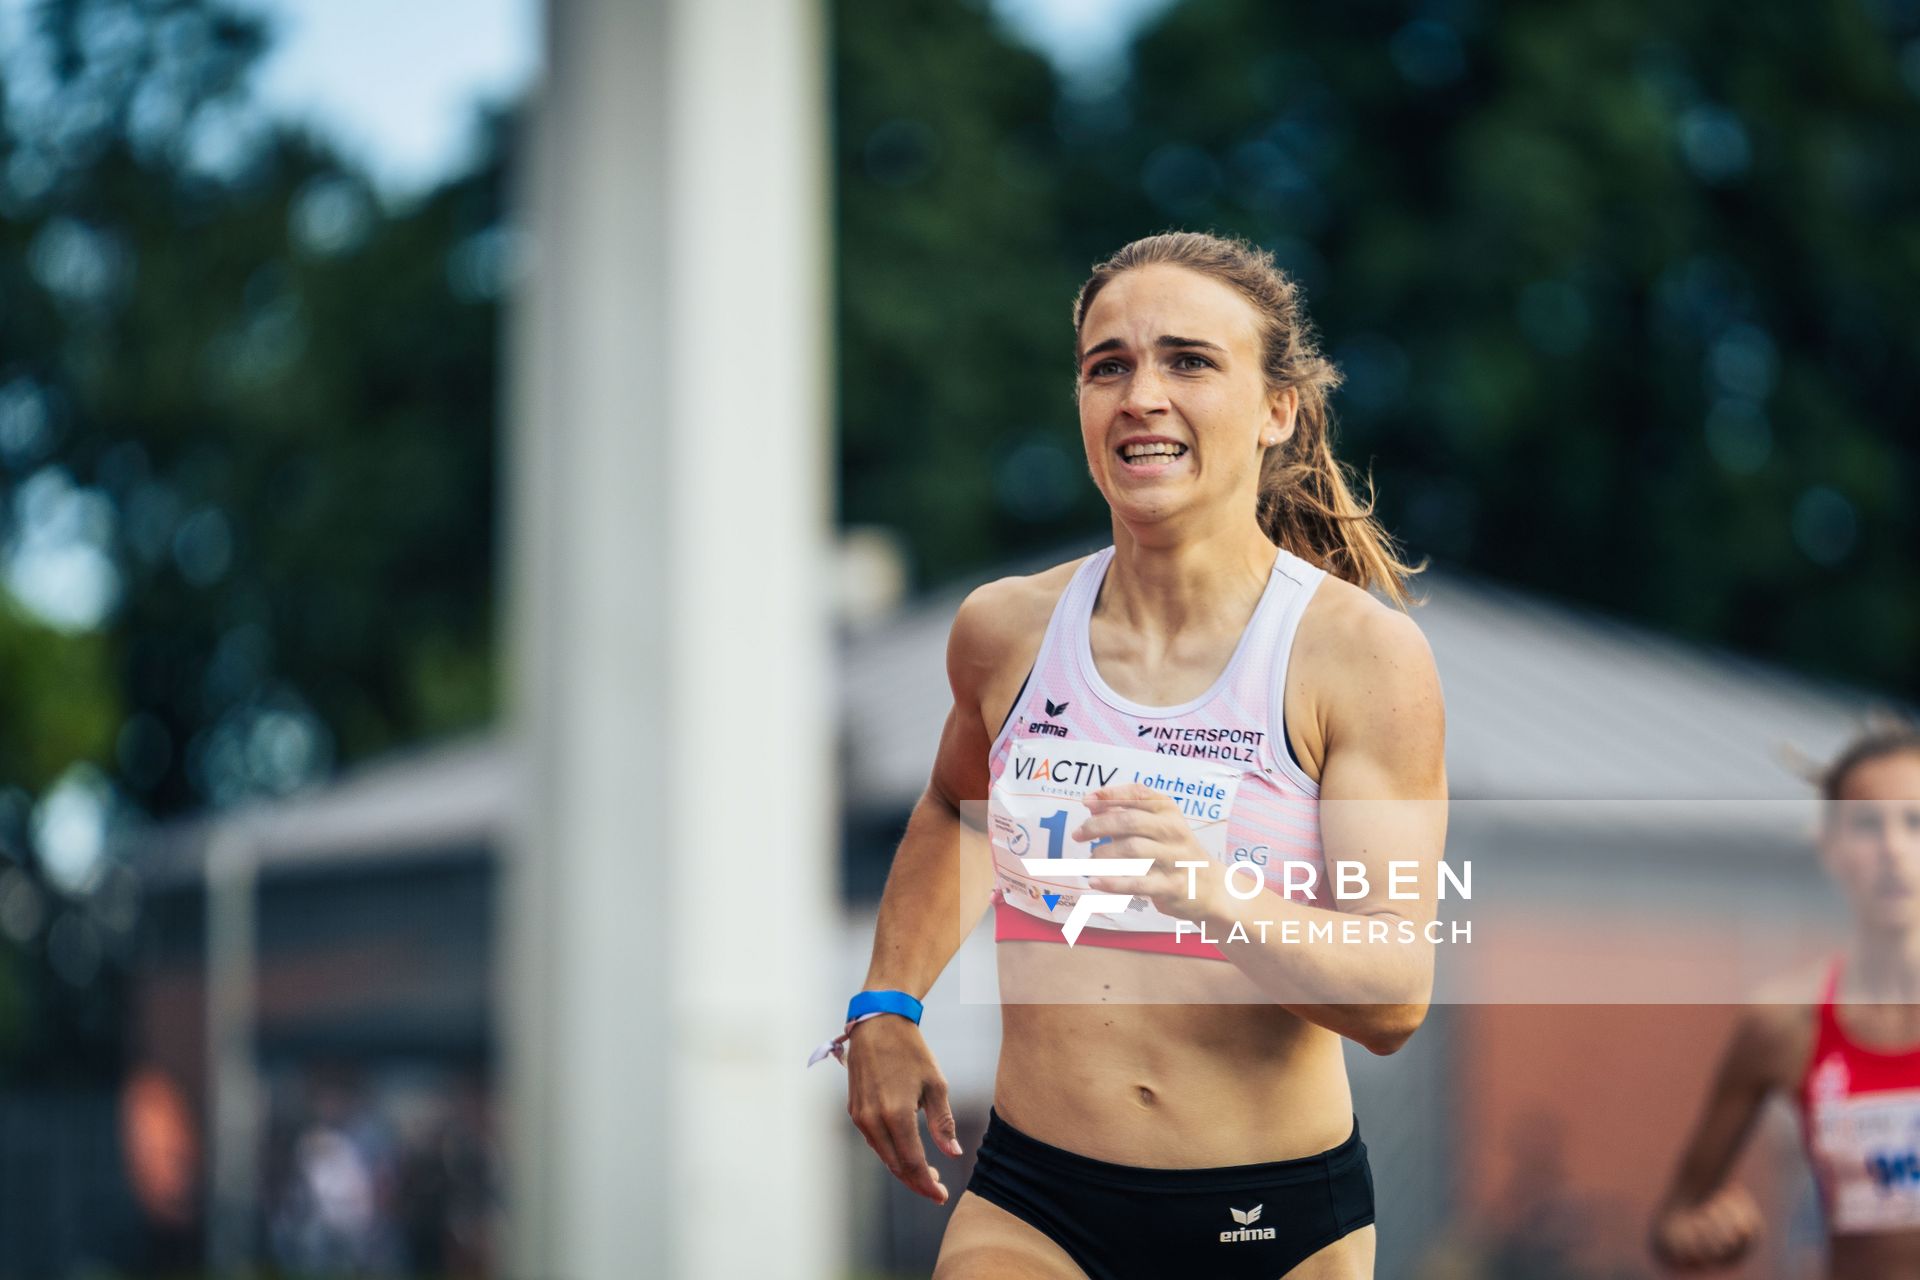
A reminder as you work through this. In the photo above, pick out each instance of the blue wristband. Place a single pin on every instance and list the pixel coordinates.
(872, 1002)
(868, 1004)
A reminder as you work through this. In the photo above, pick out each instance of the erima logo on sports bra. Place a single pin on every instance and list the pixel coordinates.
(1246, 1218)
(1042, 726)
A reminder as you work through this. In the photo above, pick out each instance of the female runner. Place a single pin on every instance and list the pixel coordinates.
(1170, 1102)
(1844, 1045)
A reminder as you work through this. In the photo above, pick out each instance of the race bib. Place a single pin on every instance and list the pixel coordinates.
(1870, 1144)
(1037, 800)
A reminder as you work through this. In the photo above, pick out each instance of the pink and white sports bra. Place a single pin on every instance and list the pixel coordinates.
(1228, 742)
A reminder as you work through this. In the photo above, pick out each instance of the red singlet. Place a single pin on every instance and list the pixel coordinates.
(1860, 1113)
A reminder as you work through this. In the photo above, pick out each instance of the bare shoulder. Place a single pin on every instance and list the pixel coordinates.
(1776, 1023)
(997, 632)
(995, 638)
(1347, 630)
(1798, 988)
(1362, 670)
(1773, 1035)
(999, 614)
(1772, 1042)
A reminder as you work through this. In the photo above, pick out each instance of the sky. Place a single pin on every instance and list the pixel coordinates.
(1082, 37)
(394, 83)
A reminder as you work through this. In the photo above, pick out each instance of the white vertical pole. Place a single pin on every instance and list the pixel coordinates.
(751, 608)
(670, 908)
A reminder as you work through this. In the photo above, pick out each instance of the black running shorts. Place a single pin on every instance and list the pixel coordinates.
(1119, 1222)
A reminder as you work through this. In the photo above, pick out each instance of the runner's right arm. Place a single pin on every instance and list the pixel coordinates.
(940, 884)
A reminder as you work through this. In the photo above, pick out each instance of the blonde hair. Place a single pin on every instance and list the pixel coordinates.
(1307, 496)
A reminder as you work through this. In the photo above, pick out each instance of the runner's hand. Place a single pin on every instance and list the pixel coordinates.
(1715, 1233)
(1139, 822)
(891, 1076)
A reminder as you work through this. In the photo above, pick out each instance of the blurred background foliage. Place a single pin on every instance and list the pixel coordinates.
(1625, 295)
(247, 454)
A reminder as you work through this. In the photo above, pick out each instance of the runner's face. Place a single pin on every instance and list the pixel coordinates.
(1872, 840)
(1171, 357)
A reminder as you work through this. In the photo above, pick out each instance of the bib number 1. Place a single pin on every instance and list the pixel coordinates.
(1056, 829)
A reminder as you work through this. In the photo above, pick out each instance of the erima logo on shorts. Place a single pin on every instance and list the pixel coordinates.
(1246, 1218)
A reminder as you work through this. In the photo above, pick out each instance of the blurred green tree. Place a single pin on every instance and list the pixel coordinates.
(1624, 295)
(259, 399)
(953, 285)
(247, 445)
(59, 699)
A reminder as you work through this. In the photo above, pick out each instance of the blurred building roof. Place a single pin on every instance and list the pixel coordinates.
(1545, 702)
(450, 797)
